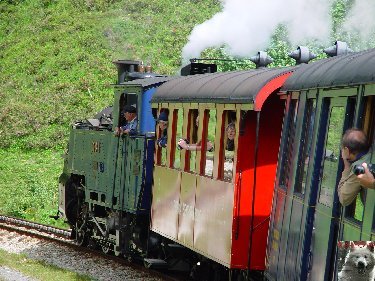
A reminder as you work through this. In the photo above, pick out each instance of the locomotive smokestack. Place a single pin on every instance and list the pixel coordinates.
(261, 59)
(196, 67)
(340, 48)
(124, 67)
(302, 55)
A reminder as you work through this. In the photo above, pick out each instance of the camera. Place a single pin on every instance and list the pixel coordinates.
(359, 169)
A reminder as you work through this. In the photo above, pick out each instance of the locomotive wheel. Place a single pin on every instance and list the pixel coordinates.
(239, 275)
(81, 235)
(82, 232)
(106, 248)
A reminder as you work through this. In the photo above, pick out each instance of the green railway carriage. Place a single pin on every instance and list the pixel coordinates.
(324, 99)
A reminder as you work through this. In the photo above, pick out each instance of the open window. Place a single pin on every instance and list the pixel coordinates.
(178, 119)
(126, 99)
(356, 209)
(207, 142)
(228, 145)
(192, 138)
(162, 138)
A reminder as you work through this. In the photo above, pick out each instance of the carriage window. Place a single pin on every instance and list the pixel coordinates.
(356, 209)
(192, 139)
(332, 155)
(178, 116)
(161, 143)
(288, 140)
(306, 140)
(208, 138)
(228, 136)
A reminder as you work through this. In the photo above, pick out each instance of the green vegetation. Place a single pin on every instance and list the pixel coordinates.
(56, 67)
(56, 58)
(38, 269)
(29, 182)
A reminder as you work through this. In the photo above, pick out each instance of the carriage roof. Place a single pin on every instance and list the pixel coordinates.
(220, 87)
(344, 70)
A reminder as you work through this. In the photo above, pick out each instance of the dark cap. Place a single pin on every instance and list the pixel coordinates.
(163, 116)
(129, 109)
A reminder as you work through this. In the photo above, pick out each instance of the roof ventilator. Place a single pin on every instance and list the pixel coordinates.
(302, 55)
(261, 59)
(340, 48)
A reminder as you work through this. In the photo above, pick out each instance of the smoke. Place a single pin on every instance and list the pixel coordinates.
(360, 19)
(246, 27)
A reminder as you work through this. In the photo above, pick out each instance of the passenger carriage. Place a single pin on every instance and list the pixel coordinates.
(218, 203)
(324, 99)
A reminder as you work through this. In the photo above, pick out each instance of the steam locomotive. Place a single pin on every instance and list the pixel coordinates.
(264, 209)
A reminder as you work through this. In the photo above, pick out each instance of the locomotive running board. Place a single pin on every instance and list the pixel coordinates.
(155, 264)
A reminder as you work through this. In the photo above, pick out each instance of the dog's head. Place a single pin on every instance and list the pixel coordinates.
(361, 256)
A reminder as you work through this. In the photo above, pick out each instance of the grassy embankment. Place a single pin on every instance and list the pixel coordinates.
(37, 269)
(56, 67)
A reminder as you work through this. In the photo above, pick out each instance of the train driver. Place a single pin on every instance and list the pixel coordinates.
(354, 151)
(195, 146)
(130, 128)
(163, 125)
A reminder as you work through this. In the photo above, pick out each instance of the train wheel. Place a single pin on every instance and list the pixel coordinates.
(239, 275)
(106, 248)
(81, 229)
(81, 235)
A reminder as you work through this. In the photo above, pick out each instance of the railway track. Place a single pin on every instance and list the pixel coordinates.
(64, 237)
(36, 229)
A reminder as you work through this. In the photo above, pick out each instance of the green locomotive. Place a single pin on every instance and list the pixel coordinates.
(105, 188)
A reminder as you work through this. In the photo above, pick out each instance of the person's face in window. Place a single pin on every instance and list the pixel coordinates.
(231, 133)
(129, 116)
(163, 125)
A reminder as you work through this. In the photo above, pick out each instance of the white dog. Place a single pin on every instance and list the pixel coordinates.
(359, 263)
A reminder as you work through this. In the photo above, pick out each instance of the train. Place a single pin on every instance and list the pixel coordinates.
(259, 205)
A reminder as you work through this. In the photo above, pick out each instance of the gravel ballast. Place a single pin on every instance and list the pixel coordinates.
(67, 258)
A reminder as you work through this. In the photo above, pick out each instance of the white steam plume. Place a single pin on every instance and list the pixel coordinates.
(246, 26)
(360, 19)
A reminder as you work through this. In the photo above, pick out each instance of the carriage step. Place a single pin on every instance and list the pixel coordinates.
(155, 264)
(177, 250)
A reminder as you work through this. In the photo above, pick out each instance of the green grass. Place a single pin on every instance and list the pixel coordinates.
(29, 184)
(56, 58)
(38, 269)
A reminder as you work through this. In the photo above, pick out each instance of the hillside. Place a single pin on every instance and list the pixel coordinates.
(56, 58)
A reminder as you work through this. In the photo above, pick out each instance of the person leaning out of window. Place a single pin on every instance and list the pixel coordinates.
(163, 125)
(130, 128)
(354, 151)
(184, 144)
